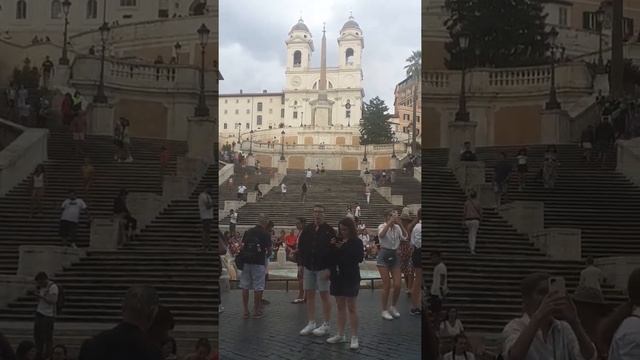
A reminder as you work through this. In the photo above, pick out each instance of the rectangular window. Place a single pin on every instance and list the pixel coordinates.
(348, 114)
(589, 20)
(163, 13)
(225, 112)
(248, 101)
(282, 113)
(270, 111)
(248, 126)
(627, 26)
(225, 126)
(237, 101)
(295, 114)
(417, 118)
(225, 101)
(259, 106)
(237, 111)
(248, 111)
(259, 120)
(282, 100)
(127, 3)
(271, 100)
(563, 16)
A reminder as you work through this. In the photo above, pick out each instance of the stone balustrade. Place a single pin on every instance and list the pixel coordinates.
(225, 173)
(508, 80)
(135, 75)
(20, 157)
(264, 148)
(629, 159)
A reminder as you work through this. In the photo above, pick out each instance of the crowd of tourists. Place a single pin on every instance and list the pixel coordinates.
(328, 265)
(144, 332)
(554, 324)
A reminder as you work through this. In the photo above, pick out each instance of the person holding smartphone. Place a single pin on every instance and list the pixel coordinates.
(550, 327)
(347, 252)
(390, 233)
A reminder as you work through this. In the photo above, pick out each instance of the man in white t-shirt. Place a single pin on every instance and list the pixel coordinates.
(71, 209)
(439, 284)
(205, 205)
(283, 189)
(233, 221)
(357, 211)
(309, 174)
(47, 294)
(591, 276)
(241, 190)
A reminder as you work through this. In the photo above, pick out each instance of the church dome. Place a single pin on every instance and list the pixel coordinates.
(300, 26)
(350, 24)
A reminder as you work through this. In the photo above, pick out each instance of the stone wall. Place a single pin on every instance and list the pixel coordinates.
(19, 158)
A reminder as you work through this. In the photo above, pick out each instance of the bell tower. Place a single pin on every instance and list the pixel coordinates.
(350, 45)
(299, 47)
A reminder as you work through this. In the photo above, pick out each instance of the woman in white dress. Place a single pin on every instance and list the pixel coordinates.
(452, 326)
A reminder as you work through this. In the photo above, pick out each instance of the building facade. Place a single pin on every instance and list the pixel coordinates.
(403, 105)
(293, 106)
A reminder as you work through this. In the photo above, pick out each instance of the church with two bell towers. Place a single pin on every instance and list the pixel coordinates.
(314, 95)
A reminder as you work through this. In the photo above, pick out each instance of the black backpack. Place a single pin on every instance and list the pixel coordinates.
(253, 251)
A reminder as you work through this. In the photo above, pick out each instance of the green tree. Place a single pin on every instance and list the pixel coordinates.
(503, 33)
(414, 71)
(375, 127)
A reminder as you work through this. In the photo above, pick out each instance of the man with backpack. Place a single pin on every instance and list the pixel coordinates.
(205, 205)
(50, 303)
(256, 246)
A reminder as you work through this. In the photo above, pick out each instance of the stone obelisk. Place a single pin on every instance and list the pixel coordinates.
(321, 108)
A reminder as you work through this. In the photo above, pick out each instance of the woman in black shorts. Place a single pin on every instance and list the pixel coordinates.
(347, 252)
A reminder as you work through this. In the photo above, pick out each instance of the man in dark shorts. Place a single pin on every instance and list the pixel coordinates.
(71, 209)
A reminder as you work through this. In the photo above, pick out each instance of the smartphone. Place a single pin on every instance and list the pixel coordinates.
(557, 284)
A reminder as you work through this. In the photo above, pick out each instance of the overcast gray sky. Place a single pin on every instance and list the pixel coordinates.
(253, 52)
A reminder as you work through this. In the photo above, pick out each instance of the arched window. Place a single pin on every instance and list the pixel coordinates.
(348, 56)
(197, 7)
(92, 9)
(297, 58)
(21, 9)
(56, 9)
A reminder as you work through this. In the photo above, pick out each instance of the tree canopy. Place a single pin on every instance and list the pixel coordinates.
(375, 127)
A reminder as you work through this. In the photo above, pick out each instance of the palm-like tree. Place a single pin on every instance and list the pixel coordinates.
(414, 71)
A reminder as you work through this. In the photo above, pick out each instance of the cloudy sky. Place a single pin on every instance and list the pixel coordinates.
(252, 36)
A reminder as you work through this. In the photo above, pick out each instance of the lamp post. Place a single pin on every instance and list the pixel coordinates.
(251, 143)
(239, 124)
(393, 145)
(282, 146)
(100, 97)
(600, 22)
(553, 103)
(364, 159)
(202, 110)
(66, 6)
(462, 114)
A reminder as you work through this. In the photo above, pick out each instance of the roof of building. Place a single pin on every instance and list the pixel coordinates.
(299, 26)
(350, 24)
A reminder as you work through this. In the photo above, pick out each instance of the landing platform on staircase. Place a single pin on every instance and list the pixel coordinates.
(275, 336)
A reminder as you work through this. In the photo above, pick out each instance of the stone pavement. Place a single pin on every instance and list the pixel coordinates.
(276, 335)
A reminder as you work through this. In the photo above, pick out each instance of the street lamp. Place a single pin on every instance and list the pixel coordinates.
(239, 124)
(600, 25)
(553, 103)
(66, 6)
(250, 142)
(177, 48)
(393, 145)
(282, 146)
(100, 97)
(202, 110)
(462, 114)
(364, 142)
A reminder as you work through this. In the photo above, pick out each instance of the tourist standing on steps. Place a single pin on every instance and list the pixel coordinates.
(347, 252)
(295, 254)
(126, 141)
(586, 143)
(591, 276)
(205, 206)
(283, 189)
(547, 315)
(501, 177)
(47, 294)
(605, 138)
(71, 209)
(309, 175)
(416, 263)
(256, 243)
(467, 154)
(357, 211)
(522, 158)
(88, 173)
(451, 326)
(241, 190)
(367, 192)
(405, 250)
(233, 221)
(303, 194)
(79, 129)
(38, 183)
(129, 339)
(550, 167)
(314, 251)
(439, 282)
(459, 351)
(472, 216)
(390, 233)
(121, 210)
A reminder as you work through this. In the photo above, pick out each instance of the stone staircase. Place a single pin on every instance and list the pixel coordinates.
(245, 177)
(485, 288)
(594, 198)
(63, 173)
(407, 186)
(335, 190)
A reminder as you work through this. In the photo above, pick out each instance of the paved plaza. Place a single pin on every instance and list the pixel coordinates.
(276, 335)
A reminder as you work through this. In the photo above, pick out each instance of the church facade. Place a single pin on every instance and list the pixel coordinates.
(305, 95)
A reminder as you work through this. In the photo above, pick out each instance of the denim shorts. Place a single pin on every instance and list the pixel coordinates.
(388, 258)
(314, 280)
(253, 277)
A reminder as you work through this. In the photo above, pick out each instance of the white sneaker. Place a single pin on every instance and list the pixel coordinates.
(354, 343)
(308, 329)
(337, 339)
(386, 315)
(394, 312)
(322, 330)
